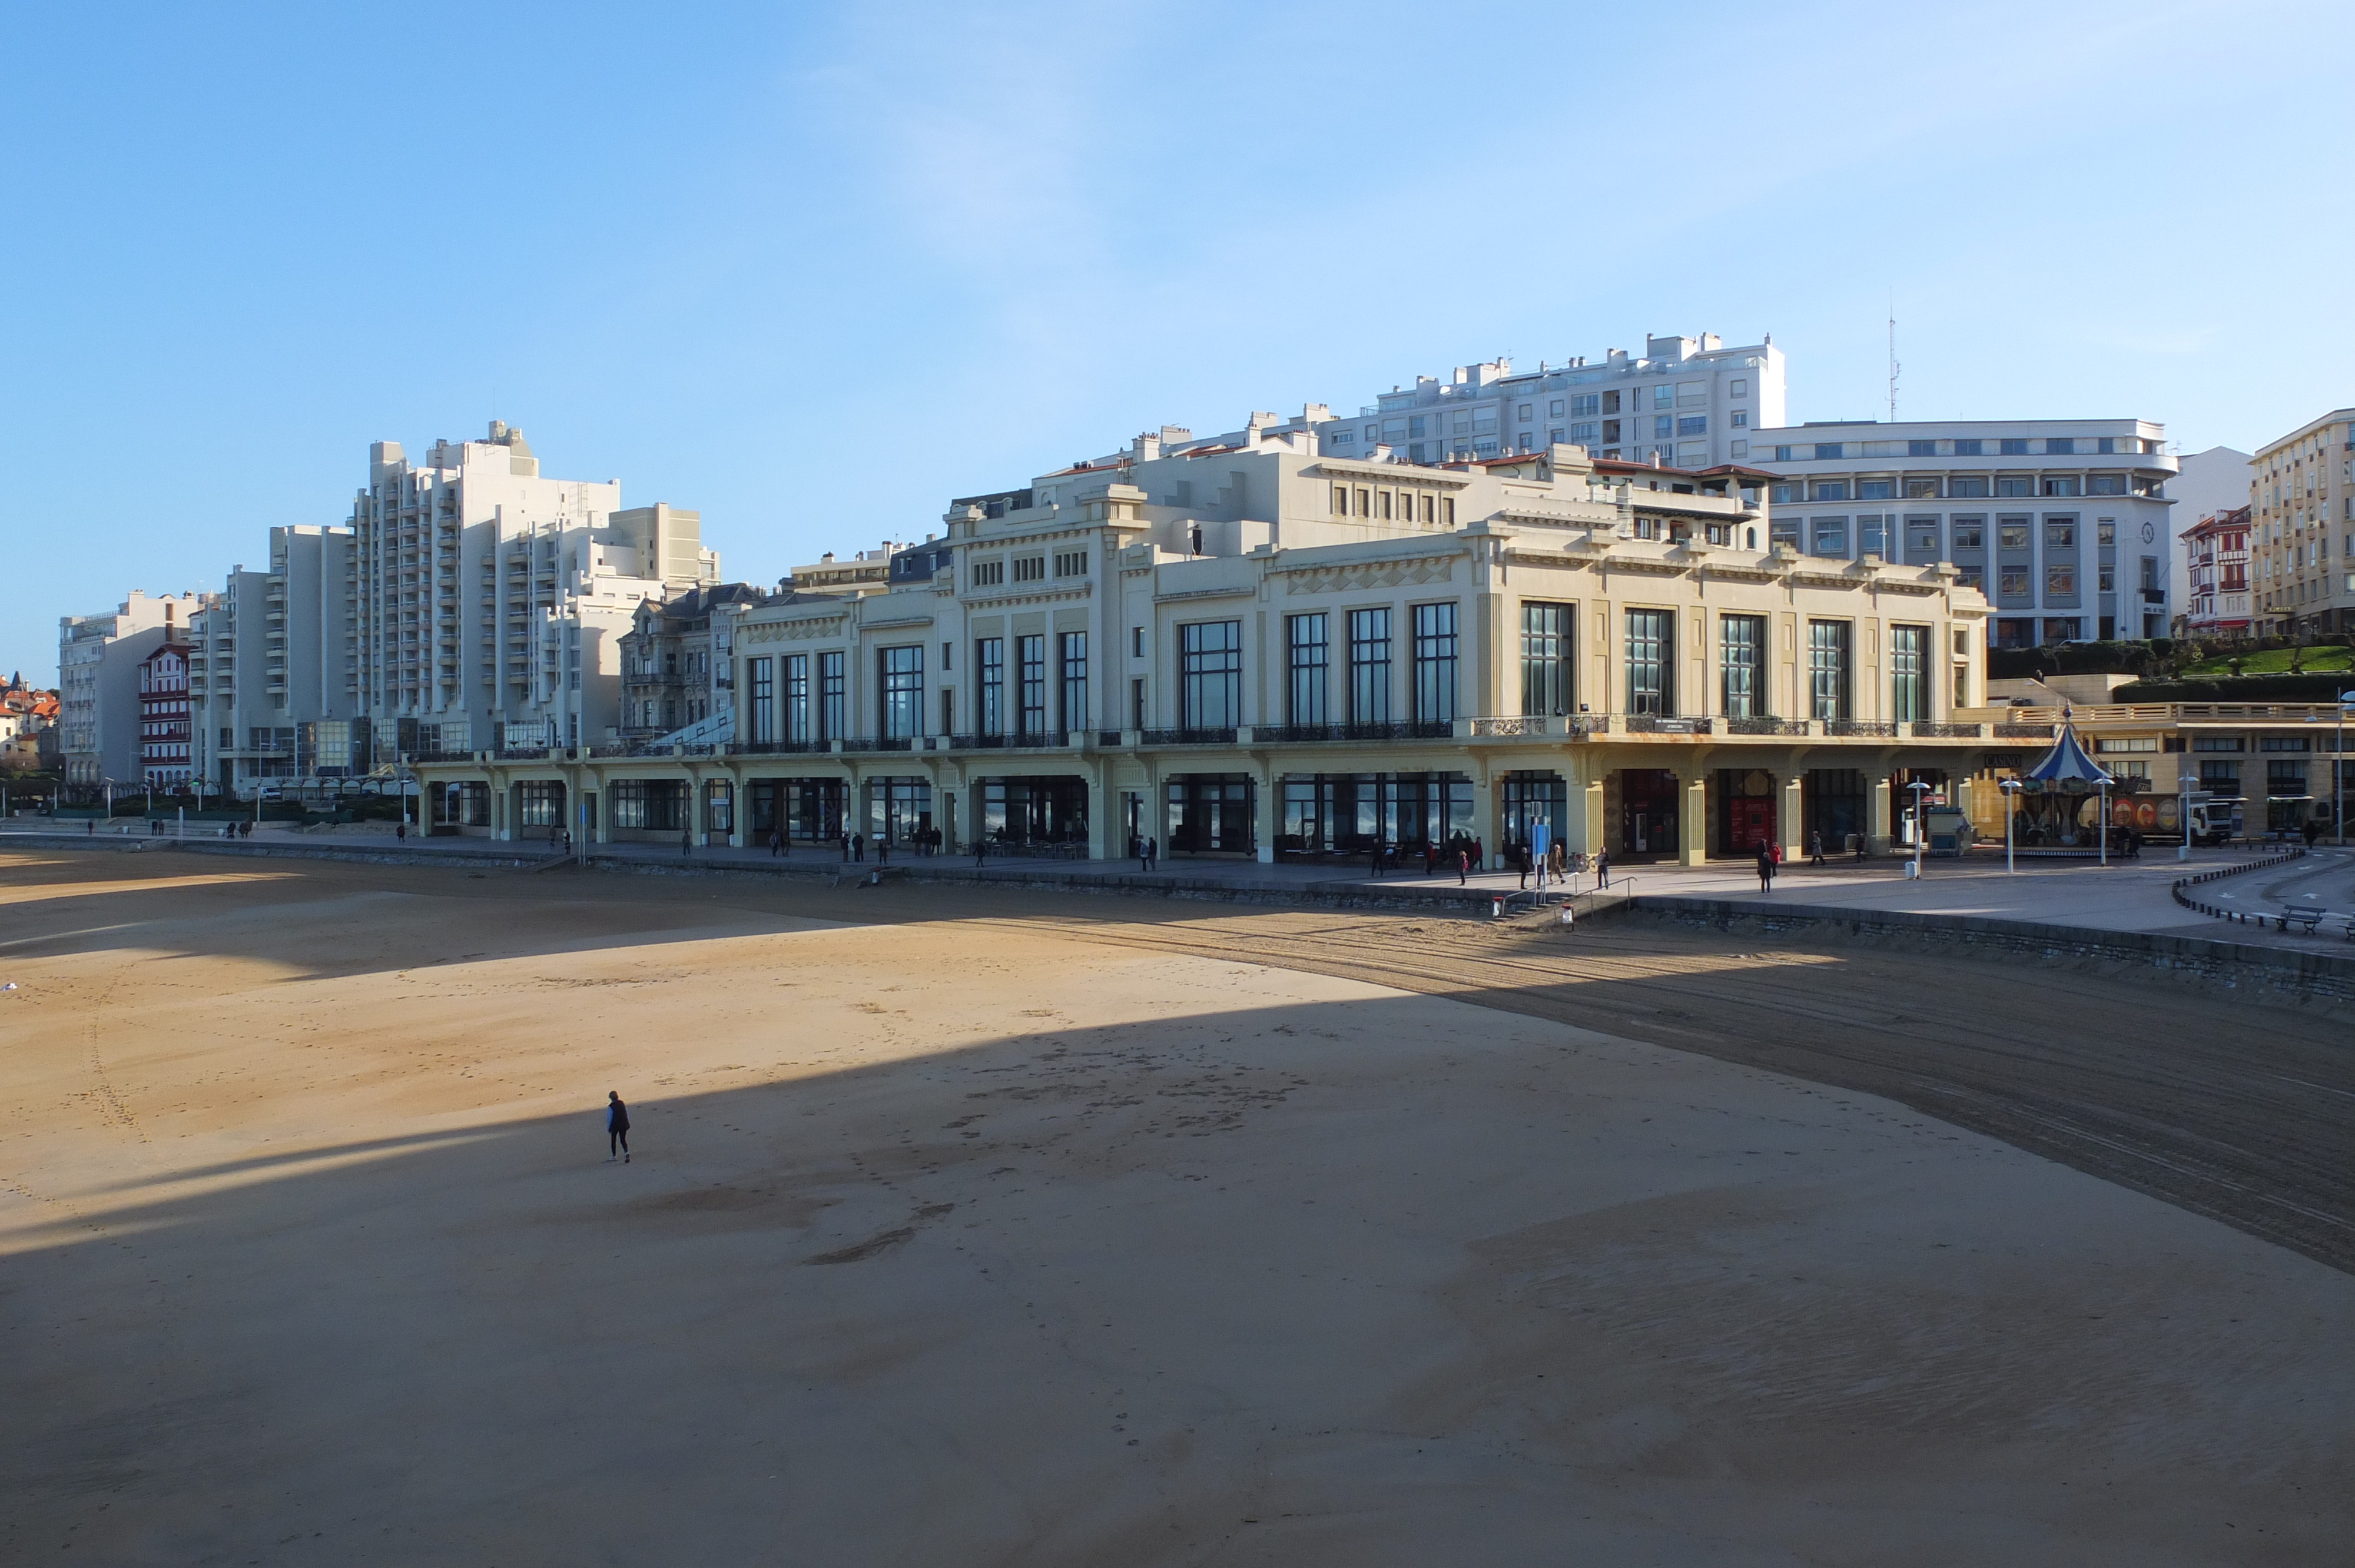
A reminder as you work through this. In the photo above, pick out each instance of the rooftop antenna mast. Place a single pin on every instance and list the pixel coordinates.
(1893, 366)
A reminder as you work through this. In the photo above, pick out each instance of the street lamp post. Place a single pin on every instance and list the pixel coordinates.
(1920, 826)
(2010, 787)
(2102, 827)
(2183, 778)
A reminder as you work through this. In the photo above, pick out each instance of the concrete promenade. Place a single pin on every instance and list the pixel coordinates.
(2126, 895)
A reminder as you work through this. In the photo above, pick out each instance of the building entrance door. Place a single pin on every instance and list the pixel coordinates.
(1647, 812)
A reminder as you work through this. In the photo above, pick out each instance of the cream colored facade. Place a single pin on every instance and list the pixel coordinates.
(2302, 528)
(1135, 649)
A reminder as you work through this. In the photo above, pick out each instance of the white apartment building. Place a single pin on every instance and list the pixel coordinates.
(98, 658)
(1687, 403)
(274, 668)
(492, 601)
(2061, 522)
(2302, 525)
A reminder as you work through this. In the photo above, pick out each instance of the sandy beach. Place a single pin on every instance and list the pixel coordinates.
(967, 1229)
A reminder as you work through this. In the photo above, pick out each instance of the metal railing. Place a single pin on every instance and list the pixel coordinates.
(1765, 726)
(1869, 728)
(1189, 737)
(1925, 730)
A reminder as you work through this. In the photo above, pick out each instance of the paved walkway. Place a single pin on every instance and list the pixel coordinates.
(2126, 895)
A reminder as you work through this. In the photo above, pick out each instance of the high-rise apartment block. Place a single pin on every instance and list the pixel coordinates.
(98, 659)
(275, 670)
(2062, 524)
(2302, 522)
(492, 601)
(1686, 403)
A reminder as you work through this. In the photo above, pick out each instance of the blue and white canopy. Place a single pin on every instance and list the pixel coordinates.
(2068, 761)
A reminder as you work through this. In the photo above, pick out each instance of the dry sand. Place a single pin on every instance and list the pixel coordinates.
(970, 1238)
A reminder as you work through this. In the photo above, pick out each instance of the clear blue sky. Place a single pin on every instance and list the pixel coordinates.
(815, 270)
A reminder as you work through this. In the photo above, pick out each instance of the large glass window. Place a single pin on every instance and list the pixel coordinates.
(1548, 655)
(1210, 675)
(1074, 682)
(1908, 696)
(797, 698)
(1651, 661)
(833, 696)
(1435, 663)
(903, 692)
(1742, 664)
(1827, 669)
(990, 660)
(1308, 668)
(765, 699)
(1030, 673)
(1369, 666)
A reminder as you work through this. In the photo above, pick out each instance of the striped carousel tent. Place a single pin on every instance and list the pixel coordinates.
(2068, 762)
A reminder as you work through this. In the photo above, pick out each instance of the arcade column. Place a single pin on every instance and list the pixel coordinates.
(1790, 824)
(1692, 819)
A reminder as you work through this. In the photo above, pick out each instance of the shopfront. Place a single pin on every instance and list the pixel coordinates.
(1745, 810)
(1049, 812)
(1647, 812)
(1352, 813)
(1209, 813)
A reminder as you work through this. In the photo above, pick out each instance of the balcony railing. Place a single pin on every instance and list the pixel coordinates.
(1661, 724)
(1046, 739)
(1765, 726)
(1927, 731)
(2023, 732)
(1189, 737)
(1866, 728)
(880, 743)
(777, 748)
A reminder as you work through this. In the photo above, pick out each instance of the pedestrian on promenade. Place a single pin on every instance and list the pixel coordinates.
(1480, 853)
(776, 844)
(846, 846)
(686, 841)
(1463, 865)
(1152, 853)
(1775, 869)
(859, 846)
(1816, 847)
(399, 828)
(567, 841)
(1766, 870)
(1144, 860)
(1603, 868)
(617, 1128)
(883, 851)
(980, 851)
(1521, 864)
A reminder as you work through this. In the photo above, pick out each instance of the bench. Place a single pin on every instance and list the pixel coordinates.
(2305, 920)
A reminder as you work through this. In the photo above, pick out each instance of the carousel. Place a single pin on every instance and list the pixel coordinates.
(2066, 795)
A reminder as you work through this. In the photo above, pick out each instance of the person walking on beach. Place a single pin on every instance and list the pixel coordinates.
(1766, 870)
(617, 1128)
